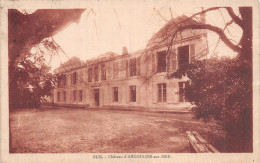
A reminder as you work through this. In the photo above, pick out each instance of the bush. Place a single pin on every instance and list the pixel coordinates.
(221, 89)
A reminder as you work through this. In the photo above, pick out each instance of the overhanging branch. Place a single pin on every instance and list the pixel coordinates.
(215, 29)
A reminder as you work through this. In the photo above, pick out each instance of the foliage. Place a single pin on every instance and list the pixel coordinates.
(220, 88)
(33, 81)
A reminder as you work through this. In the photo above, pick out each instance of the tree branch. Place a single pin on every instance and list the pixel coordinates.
(236, 19)
(215, 29)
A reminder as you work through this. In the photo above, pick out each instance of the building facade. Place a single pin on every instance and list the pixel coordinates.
(133, 79)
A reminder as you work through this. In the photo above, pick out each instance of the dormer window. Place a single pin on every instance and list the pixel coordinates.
(133, 67)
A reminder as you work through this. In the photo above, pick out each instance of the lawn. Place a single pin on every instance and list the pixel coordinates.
(72, 130)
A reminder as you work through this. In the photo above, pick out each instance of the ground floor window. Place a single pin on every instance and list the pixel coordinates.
(80, 95)
(182, 86)
(64, 96)
(74, 95)
(132, 93)
(58, 96)
(115, 89)
(162, 93)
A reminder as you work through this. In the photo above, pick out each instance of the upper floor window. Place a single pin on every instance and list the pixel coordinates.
(162, 92)
(90, 75)
(132, 93)
(62, 81)
(115, 89)
(133, 67)
(183, 56)
(161, 58)
(115, 68)
(96, 73)
(103, 72)
(74, 78)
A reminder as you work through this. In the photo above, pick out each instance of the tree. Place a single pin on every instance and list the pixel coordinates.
(34, 82)
(222, 88)
(24, 32)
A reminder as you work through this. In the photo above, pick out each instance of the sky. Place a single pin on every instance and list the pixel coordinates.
(109, 28)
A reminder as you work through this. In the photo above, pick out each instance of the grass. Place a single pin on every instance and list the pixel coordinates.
(65, 130)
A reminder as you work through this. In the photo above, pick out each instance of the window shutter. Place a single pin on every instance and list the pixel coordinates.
(80, 77)
(71, 96)
(155, 93)
(84, 95)
(138, 66)
(168, 55)
(173, 59)
(127, 69)
(153, 63)
(170, 92)
(77, 76)
(192, 53)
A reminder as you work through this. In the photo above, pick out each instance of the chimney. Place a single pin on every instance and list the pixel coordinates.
(124, 51)
(202, 17)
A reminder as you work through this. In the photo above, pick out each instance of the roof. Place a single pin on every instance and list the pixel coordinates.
(172, 26)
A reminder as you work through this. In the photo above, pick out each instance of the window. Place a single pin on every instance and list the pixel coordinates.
(103, 72)
(74, 95)
(133, 67)
(115, 89)
(162, 92)
(74, 78)
(115, 68)
(64, 96)
(183, 56)
(59, 83)
(133, 93)
(161, 64)
(80, 95)
(62, 81)
(58, 96)
(182, 86)
(90, 75)
(96, 73)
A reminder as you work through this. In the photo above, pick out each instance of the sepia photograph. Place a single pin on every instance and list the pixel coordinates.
(137, 80)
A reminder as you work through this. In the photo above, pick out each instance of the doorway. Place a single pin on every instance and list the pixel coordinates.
(96, 96)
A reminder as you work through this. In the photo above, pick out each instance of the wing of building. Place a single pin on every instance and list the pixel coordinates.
(134, 79)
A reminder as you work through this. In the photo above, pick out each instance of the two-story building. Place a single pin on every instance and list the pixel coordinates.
(134, 79)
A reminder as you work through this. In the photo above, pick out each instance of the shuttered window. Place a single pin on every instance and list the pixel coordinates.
(90, 75)
(103, 72)
(96, 73)
(133, 67)
(74, 78)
